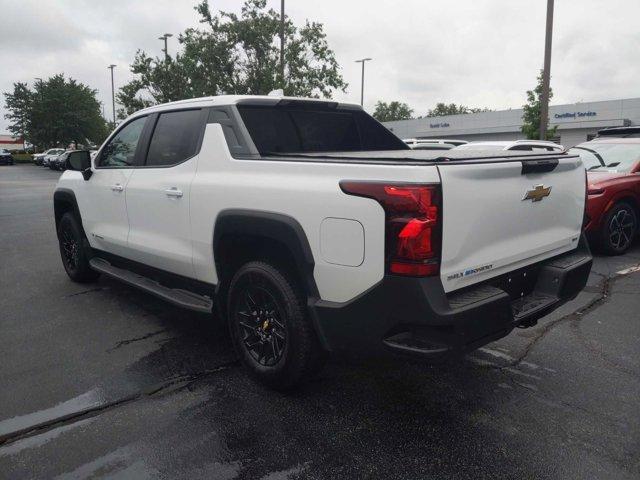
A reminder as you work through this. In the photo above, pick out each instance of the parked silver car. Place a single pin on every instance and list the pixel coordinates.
(39, 157)
(60, 162)
(50, 156)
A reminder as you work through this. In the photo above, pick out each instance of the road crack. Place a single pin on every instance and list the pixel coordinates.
(604, 294)
(84, 292)
(122, 343)
(168, 386)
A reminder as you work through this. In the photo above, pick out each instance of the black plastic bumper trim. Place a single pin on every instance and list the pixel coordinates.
(414, 316)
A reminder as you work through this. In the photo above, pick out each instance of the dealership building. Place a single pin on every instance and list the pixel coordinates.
(577, 122)
(9, 142)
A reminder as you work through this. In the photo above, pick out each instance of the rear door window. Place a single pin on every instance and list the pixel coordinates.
(175, 138)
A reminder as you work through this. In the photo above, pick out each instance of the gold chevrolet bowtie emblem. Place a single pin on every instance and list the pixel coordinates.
(537, 194)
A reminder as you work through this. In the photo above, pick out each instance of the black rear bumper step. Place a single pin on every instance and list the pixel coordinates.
(415, 317)
(178, 297)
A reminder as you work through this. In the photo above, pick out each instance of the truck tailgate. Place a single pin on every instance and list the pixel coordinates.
(498, 216)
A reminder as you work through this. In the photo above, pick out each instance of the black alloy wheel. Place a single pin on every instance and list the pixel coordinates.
(74, 253)
(270, 327)
(69, 247)
(260, 322)
(619, 229)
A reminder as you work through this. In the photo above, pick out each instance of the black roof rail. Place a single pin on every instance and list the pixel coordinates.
(632, 131)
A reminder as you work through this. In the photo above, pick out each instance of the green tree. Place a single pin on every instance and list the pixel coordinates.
(442, 109)
(387, 112)
(237, 54)
(531, 113)
(18, 104)
(57, 112)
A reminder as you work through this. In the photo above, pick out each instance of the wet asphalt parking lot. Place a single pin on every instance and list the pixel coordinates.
(106, 381)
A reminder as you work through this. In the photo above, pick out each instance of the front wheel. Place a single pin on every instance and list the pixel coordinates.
(618, 229)
(72, 250)
(270, 328)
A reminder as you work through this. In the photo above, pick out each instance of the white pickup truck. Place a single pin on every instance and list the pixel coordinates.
(312, 229)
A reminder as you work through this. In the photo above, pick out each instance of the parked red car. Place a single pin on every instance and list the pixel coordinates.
(613, 205)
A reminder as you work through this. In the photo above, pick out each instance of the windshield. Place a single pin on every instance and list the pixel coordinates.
(608, 157)
(296, 128)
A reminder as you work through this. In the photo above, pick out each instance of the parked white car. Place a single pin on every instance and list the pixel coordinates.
(521, 145)
(433, 143)
(312, 229)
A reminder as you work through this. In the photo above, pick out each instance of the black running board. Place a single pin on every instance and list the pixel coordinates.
(178, 297)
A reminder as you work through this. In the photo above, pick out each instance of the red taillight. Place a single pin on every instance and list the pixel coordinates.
(412, 224)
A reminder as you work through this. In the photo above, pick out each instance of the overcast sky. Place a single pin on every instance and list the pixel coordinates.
(481, 53)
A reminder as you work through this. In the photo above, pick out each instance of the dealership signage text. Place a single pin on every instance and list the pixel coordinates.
(575, 114)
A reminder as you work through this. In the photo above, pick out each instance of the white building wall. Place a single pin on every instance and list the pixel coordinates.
(575, 122)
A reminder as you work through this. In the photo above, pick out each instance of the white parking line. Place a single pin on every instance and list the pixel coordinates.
(629, 270)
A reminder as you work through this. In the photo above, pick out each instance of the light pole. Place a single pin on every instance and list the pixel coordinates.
(38, 81)
(282, 43)
(362, 60)
(546, 73)
(164, 37)
(113, 94)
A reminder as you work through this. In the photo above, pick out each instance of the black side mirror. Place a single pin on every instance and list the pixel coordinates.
(80, 161)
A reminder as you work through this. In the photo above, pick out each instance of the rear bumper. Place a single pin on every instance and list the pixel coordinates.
(414, 316)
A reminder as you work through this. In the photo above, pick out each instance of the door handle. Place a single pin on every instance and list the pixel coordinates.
(173, 192)
(117, 187)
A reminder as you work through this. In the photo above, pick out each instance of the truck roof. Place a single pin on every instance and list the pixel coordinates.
(224, 100)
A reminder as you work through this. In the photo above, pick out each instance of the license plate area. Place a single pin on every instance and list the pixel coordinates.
(519, 283)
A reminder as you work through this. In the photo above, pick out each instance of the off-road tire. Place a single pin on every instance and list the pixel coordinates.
(73, 250)
(279, 308)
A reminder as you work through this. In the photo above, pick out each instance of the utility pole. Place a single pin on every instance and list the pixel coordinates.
(546, 73)
(164, 37)
(113, 94)
(282, 43)
(362, 61)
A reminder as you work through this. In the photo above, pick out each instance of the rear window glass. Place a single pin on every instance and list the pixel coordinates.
(175, 138)
(309, 129)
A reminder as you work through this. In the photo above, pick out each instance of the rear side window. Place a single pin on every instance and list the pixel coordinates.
(310, 129)
(175, 138)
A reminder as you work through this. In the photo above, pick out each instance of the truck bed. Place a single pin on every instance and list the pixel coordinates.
(413, 157)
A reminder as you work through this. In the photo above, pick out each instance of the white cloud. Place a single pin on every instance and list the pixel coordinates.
(483, 53)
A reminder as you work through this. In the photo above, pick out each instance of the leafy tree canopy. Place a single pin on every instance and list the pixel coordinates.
(442, 109)
(531, 113)
(56, 112)
(387, 112)
(236, 54)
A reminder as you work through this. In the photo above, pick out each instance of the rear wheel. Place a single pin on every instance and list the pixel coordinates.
(72, 250)
(618, 229)
(270, 328)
